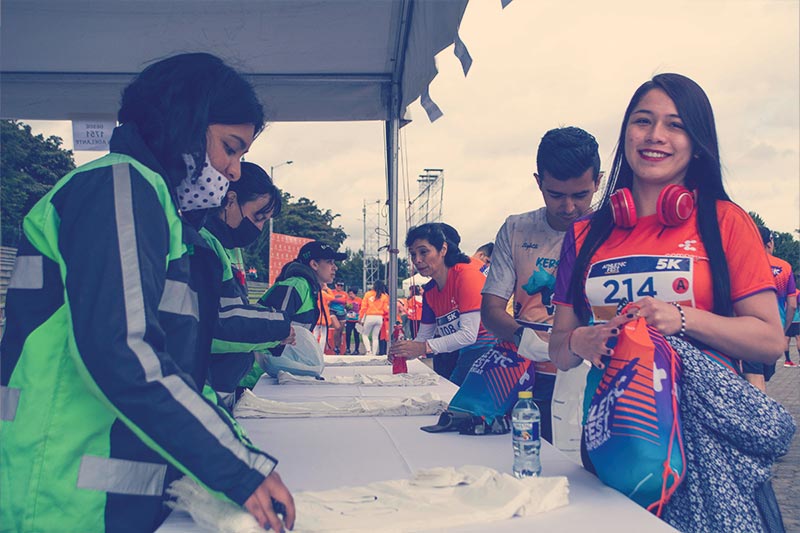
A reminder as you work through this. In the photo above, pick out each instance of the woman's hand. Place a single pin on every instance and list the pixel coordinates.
(590, 342)
(259, 504)
(407, 349)
(663, 316)
(291, 339)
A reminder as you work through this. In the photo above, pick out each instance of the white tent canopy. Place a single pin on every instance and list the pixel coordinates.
(309, 60)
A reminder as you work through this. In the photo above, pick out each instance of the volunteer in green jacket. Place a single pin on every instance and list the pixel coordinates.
(296, 292)
(242, 327)
(110, 314)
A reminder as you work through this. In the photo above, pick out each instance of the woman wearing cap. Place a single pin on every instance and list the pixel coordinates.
(242, 328)
(451, 331)
(297, 291)
(111, 309)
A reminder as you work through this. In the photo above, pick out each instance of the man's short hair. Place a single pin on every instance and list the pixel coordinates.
(766, 234)
(486, 249)
(566, 153)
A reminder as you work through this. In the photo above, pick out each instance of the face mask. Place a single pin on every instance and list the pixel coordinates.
(204, 191)
(245, 235)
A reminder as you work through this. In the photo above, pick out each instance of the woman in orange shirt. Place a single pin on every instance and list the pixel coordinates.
(374, 304)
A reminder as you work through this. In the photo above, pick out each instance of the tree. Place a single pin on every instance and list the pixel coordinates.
(30, 165)
(351, 271)
(300, 218)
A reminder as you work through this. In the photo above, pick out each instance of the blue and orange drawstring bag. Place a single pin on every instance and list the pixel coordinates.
(633, 430)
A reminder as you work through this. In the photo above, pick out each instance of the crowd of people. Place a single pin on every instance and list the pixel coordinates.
(104, 373)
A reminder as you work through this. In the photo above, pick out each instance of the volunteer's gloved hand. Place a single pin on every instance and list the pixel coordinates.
(259, 504)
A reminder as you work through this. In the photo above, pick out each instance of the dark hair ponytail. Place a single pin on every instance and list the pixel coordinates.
(380, 289)
(438, 233)
(253, 183)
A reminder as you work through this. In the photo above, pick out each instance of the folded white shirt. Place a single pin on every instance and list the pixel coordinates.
(433, 499)
(374, 380)
(251, 406)
(358, 360)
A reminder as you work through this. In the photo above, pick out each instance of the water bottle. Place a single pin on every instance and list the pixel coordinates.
(525, 419)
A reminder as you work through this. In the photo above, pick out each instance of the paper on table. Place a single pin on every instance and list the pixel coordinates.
(375, 380)
(251, 406)
(433, 499)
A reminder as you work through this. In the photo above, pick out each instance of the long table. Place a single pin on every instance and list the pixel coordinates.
(325, 453)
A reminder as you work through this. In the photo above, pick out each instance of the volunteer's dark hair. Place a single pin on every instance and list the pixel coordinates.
(380, 289)
(566, 153)
(766, 234)
(173, 101)
(253, 183)
(487, 249)
(704, 175)
(437, 233)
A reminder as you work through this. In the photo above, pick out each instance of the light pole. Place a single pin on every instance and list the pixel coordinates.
(272, 175)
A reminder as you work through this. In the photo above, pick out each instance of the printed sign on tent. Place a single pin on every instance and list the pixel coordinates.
(92, 135)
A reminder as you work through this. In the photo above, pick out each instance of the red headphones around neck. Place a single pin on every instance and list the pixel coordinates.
(674, 207)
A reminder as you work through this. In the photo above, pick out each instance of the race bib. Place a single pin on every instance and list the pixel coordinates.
(630, 278)
(448, 324)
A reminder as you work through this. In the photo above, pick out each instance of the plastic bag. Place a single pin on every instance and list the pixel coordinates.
(304, 358)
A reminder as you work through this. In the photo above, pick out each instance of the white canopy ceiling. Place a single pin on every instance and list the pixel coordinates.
(320, 60)
(309, 60)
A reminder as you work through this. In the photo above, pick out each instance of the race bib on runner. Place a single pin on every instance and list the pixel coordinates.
(448, 324)
(610, 282)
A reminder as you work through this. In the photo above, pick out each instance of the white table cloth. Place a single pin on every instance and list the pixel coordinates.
(324, 453)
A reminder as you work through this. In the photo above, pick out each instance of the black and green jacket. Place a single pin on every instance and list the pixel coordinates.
(295, 293)
(241, 328)
(110, 314)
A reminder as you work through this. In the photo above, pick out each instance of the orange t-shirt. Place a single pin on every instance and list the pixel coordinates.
(668, 263)
(372, 306)
(461, 294)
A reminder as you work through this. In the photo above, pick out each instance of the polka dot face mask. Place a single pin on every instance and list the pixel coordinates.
(201, 191)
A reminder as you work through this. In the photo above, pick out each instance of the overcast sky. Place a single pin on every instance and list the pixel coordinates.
(543, 64)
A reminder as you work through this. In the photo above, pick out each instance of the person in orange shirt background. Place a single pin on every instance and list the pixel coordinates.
(414, 310)
(338, 312)
(326, 319)
(374, 304)
(352, 306)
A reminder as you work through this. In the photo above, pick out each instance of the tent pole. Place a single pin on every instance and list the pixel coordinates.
(392, 155)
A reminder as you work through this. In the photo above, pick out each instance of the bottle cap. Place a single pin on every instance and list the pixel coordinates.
(525, 394)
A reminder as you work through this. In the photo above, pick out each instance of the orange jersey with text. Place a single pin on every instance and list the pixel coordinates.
(667, 263)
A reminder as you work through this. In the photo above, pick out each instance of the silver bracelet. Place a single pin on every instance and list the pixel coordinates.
(682, 332)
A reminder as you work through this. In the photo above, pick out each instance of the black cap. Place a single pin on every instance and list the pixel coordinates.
(318, 250)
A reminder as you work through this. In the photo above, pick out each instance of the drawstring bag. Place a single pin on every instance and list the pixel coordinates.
(304, 358)
(492, 385)
(633, 431)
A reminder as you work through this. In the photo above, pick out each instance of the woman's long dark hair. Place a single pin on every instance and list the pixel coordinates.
(173, 101)
(704, 175)
(438, 233)
(380, 289)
